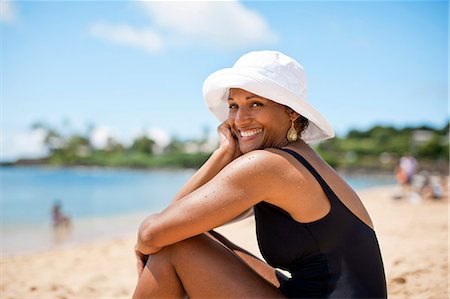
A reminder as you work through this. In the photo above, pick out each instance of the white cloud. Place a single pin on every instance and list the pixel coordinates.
(24, 144)
(143, 38)
(226, 24)
(217, 24)
(160, 136)
(100, 136)
(8, 11)
(30, 144)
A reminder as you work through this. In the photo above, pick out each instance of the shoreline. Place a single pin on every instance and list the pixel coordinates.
(95, 167)
(16, 237)
(413, 238)
(84, 231)
(346, 171)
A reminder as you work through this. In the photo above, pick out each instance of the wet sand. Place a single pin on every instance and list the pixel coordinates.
(413, 239)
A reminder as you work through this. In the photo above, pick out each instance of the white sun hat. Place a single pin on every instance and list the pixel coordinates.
(274, 76)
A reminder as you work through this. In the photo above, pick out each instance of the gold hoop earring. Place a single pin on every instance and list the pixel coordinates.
(292, 135)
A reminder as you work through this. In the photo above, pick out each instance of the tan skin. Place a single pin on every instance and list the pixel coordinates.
(182, 259)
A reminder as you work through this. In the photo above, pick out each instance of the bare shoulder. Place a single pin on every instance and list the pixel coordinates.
(266, 162)
(268, 168)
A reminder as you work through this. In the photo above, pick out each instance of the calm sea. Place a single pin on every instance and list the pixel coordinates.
(102, 203)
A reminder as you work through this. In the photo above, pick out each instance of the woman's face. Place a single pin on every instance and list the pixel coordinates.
(256, 121)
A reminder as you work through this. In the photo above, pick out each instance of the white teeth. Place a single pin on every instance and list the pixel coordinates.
(250, 132)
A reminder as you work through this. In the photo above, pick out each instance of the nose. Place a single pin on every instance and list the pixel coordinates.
(242, 116)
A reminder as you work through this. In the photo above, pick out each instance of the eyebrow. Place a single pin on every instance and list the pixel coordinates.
(248, 97)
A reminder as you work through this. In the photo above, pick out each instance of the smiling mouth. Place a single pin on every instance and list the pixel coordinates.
(250, 133)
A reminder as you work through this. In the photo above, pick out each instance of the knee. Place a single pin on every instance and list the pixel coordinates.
(180, 249)
(187, 245)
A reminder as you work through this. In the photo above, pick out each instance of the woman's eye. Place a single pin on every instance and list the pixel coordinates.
(232, 106)
(256, 104)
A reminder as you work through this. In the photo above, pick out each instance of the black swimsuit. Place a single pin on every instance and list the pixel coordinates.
(337, 256)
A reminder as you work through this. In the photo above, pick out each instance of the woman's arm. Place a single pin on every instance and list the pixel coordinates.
(228, 151)
(241, 184)
(216, 162)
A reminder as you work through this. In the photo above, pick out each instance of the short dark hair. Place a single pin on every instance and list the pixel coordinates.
(302, 124)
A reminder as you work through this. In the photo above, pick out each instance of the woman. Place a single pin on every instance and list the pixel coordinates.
(308, 220)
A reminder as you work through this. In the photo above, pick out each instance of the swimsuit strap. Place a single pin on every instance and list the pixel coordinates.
(329, 192)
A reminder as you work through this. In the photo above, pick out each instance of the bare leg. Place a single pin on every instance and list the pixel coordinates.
(261, 267)
(201, 267)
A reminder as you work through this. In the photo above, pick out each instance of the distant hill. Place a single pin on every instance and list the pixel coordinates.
(376, 149)
(380, 148)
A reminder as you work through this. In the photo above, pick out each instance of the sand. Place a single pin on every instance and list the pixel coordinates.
(413, 239)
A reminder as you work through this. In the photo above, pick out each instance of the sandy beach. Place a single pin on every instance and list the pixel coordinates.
(413, 239)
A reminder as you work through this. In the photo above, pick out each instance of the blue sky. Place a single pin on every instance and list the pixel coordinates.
(133, 67)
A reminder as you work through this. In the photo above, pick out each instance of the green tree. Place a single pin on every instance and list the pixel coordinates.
(435, 148)
(143, 144)
(175, 146)
(53, 140)
(112, 145)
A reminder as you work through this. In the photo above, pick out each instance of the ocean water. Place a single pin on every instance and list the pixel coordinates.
(27, 194)
(102, 203)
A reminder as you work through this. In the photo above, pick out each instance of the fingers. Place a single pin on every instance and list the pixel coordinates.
(223, 127)
(226, 129)
(227, 124)
(228, 140)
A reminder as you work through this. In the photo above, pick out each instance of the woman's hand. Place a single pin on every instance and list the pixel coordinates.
(228, 141)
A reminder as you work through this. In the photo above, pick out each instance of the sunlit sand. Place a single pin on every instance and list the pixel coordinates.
(413, 239)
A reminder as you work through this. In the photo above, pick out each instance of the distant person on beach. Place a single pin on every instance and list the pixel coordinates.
(309, 222)
(405, 172)
(59, 219)
(432, 186)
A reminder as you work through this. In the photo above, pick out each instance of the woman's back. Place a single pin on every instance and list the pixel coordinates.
(343, 191)
(336, 256)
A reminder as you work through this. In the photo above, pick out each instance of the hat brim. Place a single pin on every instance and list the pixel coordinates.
(216, 90)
